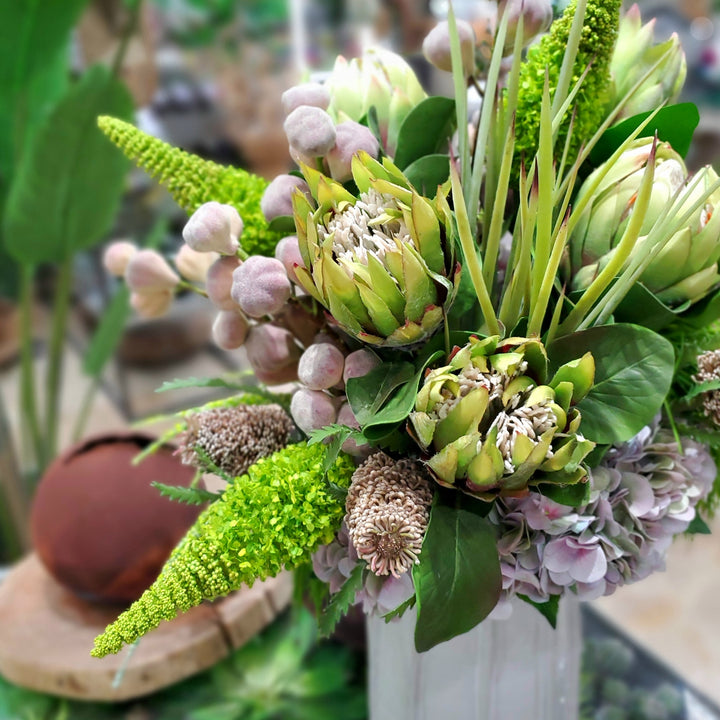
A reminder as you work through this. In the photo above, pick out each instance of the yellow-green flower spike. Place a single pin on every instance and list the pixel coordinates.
(269, 519)
(596, 48)
(193, 181)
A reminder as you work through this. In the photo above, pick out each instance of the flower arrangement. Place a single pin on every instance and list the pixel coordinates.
(500, 329)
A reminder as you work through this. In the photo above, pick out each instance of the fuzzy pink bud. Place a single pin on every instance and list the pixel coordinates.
(277, 199)
(260, 286)
(194, 265)
(147, 271)
(359, 363)
(313, 94)
(214, 227)
(272, 353)
(312, 410)
(321, 366)
(351, 138)
(537, 17)
(153, 304)
(287, 251)
(219, 280)
(117, 256)
(230, 330)
(436, 46)
(310, 130)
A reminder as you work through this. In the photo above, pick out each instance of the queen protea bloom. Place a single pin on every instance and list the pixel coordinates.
(380, 262)
(379, 79)
(492, 426)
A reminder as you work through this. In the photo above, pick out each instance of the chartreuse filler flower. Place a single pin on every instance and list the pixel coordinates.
(493, 423)
(381, 263)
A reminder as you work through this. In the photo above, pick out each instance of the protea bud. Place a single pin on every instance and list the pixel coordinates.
(273, 354)
(194, 265)
(147, 271)
(288, 253)
(218, 283)
(537, 16)
(372, 81)
(313, 94)
(277, 198)
(436, 46)
(214, 227)
(633, 57)
(117, 256)
(260, 286)
(230, 330)
(351, 138)
(321, 366)
(492, 423)
(607, 214)
(150, 305)
(381, 263)
(310, 131)
(312, 410)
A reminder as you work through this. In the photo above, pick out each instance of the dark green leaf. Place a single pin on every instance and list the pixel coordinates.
(426, 173)
(633, 371)
(458, 581)
(70, 182)
(282, 224)
(674, 124)
(399, 611)
(575, 495)
(109, 331)
(642, 307)
(341, 601)
(187, 495)
(548, 609)
(703, 313)
(425, 131)
(371, 392)
(698, 527)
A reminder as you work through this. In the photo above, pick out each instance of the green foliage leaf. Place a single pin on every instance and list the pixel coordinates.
(341, 601)
(548, 609)
(400, 610)
(337, 435)
(633, 372)
(425, 131)
(426, 173)
(226, 382)
(186, 495)
(674, 124)
(575, 495)
(701, 388)
(284, 224)
(69, 185)
(458, 581)
(698, 527)
(642, 307)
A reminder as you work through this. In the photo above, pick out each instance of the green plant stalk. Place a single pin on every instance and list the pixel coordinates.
(622, 253)
(558, 117)
(87, 402)
(486, 114)
(492, 246)
(513, 81)
(472, 263)
(568, 65)
(55, 355)
(495, 148)
(565, 205)
(32, 440)
(460, 87)
(555, 320)
(546, 183)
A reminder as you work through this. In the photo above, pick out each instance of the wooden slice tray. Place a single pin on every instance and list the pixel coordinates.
(46, 635)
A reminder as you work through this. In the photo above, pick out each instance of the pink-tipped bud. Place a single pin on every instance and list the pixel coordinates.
(359, 363)
(310, 130)
(272, 353)
(117, 256)
(260, 286)
(436, 46)
(287, 251)
(312, 410)
(153, 304)
(147, 271)
(230, 330)
(194, 265)
(321, 367)
(351, 138)
(219, 282)
(214, 227)
(277, 199)
(313, 94)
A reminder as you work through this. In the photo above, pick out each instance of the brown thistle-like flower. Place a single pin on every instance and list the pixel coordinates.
(388, 507)
(235, 438)
(708, 370)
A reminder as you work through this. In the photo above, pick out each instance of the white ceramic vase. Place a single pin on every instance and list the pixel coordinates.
(514, 669)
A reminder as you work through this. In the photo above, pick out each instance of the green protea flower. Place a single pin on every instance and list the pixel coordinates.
(381, 262)
(492, 424)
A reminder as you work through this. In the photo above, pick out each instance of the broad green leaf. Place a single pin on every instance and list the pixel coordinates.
(458, 580)
(69, 185)
(642, 307)
(367, 395)
(426, 173)
(426, 130)
(674, 124)
(575, 495)
(703, 313)
(633, 371)
(548, 609)
(109, 331)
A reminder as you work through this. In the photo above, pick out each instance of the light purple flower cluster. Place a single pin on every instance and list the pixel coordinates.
(643, 494)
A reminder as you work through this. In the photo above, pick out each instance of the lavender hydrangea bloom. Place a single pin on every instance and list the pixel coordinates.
(642, 495)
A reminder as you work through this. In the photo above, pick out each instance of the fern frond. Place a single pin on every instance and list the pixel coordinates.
(595, 50)
(186, 495)
(193, 181)
(269, 519)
